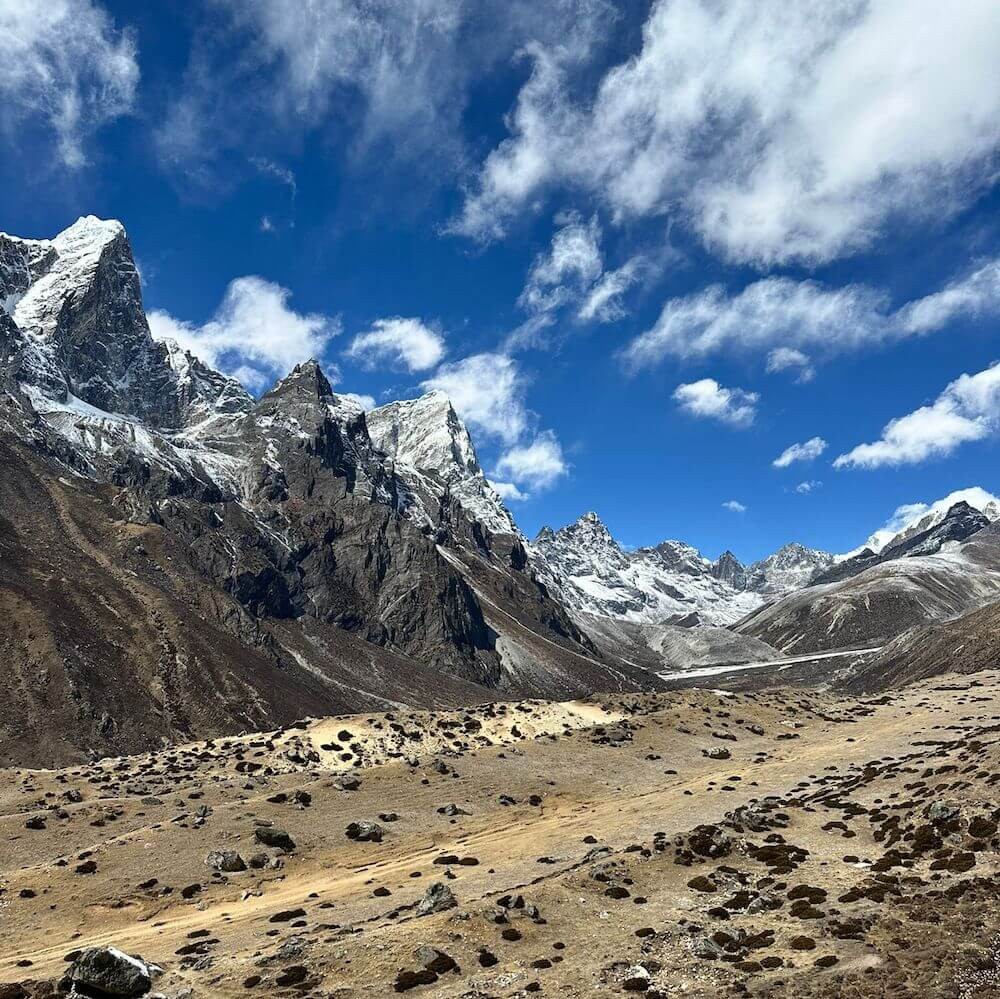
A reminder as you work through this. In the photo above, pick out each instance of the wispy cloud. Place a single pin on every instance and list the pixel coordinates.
(734, 506)
(806, 451)
(775, 133)
(64, 62)
(796, 323)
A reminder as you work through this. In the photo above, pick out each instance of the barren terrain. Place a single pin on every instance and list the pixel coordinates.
(693, 843)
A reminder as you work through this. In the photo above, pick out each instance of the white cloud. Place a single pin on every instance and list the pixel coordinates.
(409, 342)
(509, 492)
(375, 75)
(571, 275)
(776, 132)
(808, 486)
(708, 399)
(573, 263)
(603, 302)
(977, 294)
(790, 359)
(806, 451)
(538, 464)
(787, 318)
(967, 410)
(253, 335)
(64, 62)
(734, 506)
(765, 315)
(487, 391)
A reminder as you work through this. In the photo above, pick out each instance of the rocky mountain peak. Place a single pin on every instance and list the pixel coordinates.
(304, 381)
(789, 568)
(916, 518)
(960, 522)
(426, 433)
(729, 568)
(678, 556)
(431, 447)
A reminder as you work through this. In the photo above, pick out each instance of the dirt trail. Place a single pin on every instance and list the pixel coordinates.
(530, 812)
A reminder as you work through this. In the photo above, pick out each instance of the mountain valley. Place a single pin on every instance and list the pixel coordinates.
(293, 706)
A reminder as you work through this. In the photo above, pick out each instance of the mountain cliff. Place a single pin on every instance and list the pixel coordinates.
(363, 564)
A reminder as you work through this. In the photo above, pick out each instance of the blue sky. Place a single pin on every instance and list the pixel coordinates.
(647, 247)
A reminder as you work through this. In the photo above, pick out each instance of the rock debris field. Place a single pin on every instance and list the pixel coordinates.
(697, 843)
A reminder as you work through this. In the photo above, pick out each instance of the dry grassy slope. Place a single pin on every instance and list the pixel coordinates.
(858, 892)
(966, 644)
(881, 603)
(110, 641)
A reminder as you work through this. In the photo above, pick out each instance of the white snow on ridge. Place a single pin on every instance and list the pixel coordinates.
(915, 518)
(432, 451)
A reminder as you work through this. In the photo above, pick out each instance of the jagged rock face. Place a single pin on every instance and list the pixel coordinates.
(790, 568)
(671, 583)
(730, 570)
(208, 402)
(87, 335)
(432, 452)
(285, 504)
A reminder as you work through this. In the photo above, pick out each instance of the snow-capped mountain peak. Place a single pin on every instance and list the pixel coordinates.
(915, 518)
(790, 568)
(431, 446)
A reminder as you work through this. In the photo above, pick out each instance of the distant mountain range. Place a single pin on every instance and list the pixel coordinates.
(181, 559)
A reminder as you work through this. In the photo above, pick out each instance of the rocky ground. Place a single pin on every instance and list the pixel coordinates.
(693, 843)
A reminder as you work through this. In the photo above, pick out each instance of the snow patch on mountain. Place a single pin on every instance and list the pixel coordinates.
(915, 518)
(669, 583)
(432, 452)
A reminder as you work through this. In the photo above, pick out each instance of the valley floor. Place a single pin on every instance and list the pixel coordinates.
(692, 843)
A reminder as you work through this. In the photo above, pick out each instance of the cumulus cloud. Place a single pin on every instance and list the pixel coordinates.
(967, 410)
(776, 133)
(408, 342)
(487, 391)
(64, 63)
(254, 335)
(808, 486)
(734, 506)
(538, 464)
(806, 451)
(794, 322)
(708, 399)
